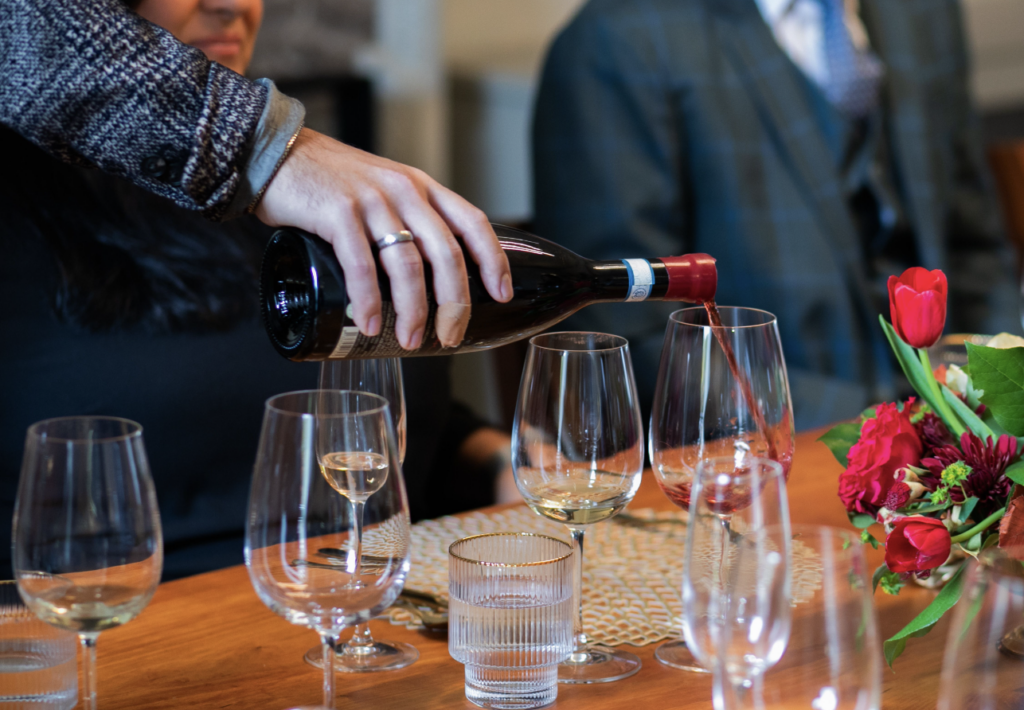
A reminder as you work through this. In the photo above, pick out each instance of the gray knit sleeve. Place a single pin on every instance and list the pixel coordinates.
(89, 80)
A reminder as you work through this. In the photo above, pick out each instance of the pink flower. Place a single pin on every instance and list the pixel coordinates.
(887, 443)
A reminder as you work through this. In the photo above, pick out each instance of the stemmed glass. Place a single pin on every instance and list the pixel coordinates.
(736, 573)
(577, 453)
(362, 652)
(721, 391)
(985, 646)
(313, 446)
(88, 550)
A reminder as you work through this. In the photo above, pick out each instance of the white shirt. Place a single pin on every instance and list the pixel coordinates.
(800, 32)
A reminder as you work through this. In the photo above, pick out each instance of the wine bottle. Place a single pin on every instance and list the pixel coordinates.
(307, 314)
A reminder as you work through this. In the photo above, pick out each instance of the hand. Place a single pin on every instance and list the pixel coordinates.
(349, 197)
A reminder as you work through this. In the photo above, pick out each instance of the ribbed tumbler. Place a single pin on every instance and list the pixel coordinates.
(37, 661)
(510, 616)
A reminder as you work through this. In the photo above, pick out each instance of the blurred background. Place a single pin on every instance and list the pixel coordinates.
(448, 85)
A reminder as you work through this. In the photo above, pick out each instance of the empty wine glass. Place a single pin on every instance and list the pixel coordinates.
(736, 573)
(317, 558)
(578, 452)
(833, 659)
(721, 391)
(362, 653)
(985, 646)
(87, 545)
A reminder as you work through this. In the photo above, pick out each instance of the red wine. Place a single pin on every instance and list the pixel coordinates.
(306, 309)
(748, 394)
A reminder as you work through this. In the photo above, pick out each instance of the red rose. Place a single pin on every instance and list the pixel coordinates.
(917, 305)
(916, 544)
(887, 443)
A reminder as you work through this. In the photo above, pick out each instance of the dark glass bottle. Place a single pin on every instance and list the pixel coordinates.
(305, 307)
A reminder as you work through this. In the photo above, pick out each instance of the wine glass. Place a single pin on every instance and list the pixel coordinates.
(722, 390)
(87, 545)
(736, 573)
(833, 658)
(577, 454)
(362, 653)
(985, 646)
(312, 442)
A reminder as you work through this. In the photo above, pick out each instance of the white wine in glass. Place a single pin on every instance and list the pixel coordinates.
(88, 550)
(362, 653)
(577, 453)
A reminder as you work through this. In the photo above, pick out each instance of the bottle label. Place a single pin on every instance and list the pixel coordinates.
(353, 344)
(641, 279)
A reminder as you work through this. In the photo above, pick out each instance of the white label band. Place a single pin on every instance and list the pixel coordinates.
(641, 279)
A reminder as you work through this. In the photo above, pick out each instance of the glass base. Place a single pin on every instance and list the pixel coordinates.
(676, 654)
(598, 664)
(512, 688)
(379, 656)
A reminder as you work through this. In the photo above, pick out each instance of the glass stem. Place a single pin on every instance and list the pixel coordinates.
(89, 669)
(580, 640)
(328, 643)
(361, 643)
(355, 548)
(727, 694)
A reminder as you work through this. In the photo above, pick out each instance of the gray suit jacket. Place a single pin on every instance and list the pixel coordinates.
(91, 82)
(669, 126)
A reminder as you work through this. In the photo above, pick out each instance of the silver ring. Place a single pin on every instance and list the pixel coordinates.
(394, 238)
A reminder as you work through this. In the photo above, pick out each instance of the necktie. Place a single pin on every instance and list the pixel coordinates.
(854, 74)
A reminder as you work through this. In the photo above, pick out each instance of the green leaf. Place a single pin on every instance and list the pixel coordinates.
(912, 368)
(877, 576)
(1015, 472)
(924, 621)
(967, 508)
(966, 414)
(1000, 373)
(892, 583)
(840, 439)
(862, 520)
(868, 539)
(869, 413)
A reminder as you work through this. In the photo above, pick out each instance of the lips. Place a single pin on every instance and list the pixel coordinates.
(220, 45)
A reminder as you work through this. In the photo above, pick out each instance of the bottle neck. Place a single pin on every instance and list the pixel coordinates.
(690, 278)
(630, 280)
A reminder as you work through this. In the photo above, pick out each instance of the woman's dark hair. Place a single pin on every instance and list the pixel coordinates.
(126, 258)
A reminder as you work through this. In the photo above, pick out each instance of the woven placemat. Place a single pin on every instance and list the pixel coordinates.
(632, 568)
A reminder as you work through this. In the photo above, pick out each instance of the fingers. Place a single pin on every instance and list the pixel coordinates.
(450, 283)
(404, 267)
(477, 234)
(356, 259)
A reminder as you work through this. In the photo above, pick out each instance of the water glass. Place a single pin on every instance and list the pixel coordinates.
(510, 616)
(983, 667)
(37, 661)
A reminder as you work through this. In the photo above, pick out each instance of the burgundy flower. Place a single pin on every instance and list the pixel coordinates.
(917, 544)
(934, 432)
(899, 496)
(988, 460)
(887, 443)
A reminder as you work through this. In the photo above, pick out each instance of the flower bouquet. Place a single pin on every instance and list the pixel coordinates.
(938, 471)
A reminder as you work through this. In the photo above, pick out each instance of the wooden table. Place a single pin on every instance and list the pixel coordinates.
(208, 642)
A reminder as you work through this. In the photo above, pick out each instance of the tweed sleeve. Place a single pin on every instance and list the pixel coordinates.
(91, 81)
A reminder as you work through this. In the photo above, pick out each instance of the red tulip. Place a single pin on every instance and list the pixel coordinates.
(917, 305)
(916, 544)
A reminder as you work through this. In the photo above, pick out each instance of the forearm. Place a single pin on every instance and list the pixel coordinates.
(89, 79)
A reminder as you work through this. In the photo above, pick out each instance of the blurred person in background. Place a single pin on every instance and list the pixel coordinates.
(815, 147)
(118, 302)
